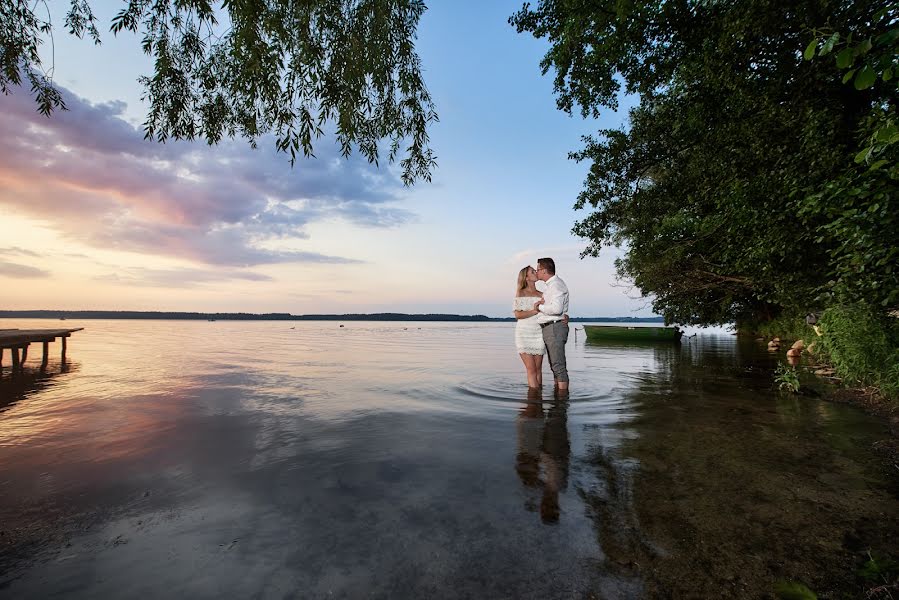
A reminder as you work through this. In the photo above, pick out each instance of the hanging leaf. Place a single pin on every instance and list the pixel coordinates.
(863, 155)
(865, 78)
(863, 47)
(845, 58)
(810, 49)
(885, 134)
(885, 39)
(828, 45)
(849, 75)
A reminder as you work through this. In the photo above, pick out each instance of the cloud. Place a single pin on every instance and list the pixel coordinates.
(17, 271)
(93, 177)
(178, 278)
(16, 251)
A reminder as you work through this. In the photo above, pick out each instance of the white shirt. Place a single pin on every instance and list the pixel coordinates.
(555, 301)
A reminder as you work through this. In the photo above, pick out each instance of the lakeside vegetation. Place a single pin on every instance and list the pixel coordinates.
(861, 346)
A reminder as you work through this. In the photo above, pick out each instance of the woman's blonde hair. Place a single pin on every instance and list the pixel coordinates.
(523, 278)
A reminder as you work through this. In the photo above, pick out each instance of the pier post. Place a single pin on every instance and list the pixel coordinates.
(18, 340)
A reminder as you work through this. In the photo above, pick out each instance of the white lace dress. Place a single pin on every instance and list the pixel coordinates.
(528, 334)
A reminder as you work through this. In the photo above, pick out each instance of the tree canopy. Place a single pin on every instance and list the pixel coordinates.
(735, 188)
(244, 68)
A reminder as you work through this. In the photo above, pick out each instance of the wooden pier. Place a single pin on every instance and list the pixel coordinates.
(18, 340)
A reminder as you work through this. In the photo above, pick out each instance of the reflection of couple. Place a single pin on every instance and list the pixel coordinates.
(544, 452)
(542, 325)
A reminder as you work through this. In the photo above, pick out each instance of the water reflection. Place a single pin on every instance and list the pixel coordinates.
(15, 386)
(717, 490)
(544, 452)
(381, 462)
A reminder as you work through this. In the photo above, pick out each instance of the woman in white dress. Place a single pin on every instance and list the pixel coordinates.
(528, 334)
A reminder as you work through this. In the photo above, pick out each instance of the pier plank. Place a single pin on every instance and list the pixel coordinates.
(19, 339)
(10, 338)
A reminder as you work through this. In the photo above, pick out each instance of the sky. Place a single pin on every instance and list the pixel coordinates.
(97, 218)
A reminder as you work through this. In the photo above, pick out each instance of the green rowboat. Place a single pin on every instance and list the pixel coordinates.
(602, 333)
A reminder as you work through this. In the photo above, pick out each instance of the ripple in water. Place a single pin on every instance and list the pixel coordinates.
(502, 393)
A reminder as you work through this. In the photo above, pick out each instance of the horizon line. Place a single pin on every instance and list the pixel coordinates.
(274, 316)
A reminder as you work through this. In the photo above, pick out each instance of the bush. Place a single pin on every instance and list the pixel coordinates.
(787, 327)
(863, 346)
(787, 378)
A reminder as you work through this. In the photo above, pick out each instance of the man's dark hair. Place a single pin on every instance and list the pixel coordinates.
(548, 264)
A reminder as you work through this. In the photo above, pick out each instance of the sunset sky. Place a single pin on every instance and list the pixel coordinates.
(95, 217)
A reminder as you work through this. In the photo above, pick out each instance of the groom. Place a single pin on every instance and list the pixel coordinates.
(555, 330)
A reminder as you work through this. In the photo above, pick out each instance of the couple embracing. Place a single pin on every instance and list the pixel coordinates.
(542, 326)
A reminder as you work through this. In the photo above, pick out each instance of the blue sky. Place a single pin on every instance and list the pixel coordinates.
(172, 228)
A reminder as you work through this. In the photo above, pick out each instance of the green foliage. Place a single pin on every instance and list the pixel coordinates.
(787, 378)
(878, 569)
(793, 590)
(863, 346)
(21, 33)
(881, 572)
(734, 190)
(787, 327)
(866, 59)
(291, 68)
(860, 211)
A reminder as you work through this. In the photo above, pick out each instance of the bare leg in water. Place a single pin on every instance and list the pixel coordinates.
(533, 364)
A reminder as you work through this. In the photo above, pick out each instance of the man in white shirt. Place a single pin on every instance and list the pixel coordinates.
(555, 329)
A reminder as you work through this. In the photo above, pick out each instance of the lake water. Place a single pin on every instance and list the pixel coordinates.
(408, 460)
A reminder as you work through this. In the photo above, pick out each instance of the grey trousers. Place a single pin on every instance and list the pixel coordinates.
(555, 336)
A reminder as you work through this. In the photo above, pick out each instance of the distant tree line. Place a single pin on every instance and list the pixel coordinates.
(239, 316)
(198, 316)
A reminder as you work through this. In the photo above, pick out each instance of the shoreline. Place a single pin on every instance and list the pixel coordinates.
(238, 316)
(872, 402)
(869, 399)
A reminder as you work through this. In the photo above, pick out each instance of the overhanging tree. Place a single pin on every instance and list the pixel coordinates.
(244, 68)
(715, 187)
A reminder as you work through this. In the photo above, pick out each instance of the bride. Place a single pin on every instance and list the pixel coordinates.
(528, 334)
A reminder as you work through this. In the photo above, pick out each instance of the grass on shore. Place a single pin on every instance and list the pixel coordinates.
(863, 347)
(861, 344)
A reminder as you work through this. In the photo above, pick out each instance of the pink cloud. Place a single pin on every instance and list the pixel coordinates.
(178, 278)
(17, 271)
(92, 176)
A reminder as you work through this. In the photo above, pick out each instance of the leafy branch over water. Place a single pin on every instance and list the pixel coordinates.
(244, 69)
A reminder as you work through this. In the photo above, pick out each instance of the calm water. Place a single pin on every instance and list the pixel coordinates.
(407, 460)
